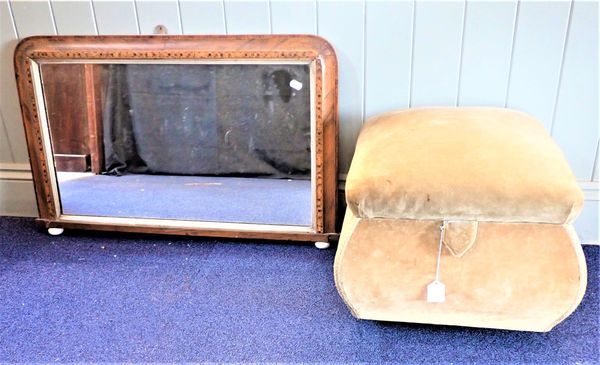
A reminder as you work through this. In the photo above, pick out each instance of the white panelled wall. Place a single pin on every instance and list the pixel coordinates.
(537, 56)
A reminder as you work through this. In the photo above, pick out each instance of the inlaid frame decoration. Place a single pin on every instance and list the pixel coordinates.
(33, 52)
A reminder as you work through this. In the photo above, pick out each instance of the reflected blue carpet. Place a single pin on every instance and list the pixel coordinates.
(93, 297)
(229, 199)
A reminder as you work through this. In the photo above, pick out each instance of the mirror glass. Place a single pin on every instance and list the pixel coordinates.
(203, 142)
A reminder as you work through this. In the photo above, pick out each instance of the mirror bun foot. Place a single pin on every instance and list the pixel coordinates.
(55, 231)
(322, 245)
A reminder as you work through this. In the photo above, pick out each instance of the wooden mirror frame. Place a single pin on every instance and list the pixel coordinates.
(33, 51)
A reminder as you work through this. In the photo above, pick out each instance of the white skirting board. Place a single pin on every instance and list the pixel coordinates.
(17, 198)
(587, 223)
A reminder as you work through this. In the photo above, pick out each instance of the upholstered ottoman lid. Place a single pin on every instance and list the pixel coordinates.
(471, 164)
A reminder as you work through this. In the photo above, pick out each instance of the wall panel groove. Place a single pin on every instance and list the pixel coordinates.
(512, 51)
(596, 167)
(562, 64)
(462, 51)
(52, 17)
(94, 17)
(12, 18)
(137, 17)
(270, 17)
(179, 18)
(364, 55)
(412, 54)
(224, 16)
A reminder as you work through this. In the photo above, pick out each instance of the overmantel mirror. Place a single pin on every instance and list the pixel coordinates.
(231, 136)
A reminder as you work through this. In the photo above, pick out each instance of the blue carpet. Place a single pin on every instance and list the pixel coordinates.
(92, 297)
(230, 199)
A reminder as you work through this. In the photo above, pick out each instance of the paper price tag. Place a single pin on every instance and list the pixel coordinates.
(436, 292)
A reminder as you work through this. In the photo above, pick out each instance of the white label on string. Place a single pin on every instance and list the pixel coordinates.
(296, 85)
(436, 292)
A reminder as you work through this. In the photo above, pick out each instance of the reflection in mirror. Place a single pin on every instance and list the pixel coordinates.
(205, 142)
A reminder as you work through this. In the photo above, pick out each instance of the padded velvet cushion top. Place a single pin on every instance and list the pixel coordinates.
(483, 164)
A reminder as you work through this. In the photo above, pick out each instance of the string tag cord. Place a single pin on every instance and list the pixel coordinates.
(436, 290)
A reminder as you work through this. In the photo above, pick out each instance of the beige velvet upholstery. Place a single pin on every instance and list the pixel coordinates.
(484, 164)
(510, 257)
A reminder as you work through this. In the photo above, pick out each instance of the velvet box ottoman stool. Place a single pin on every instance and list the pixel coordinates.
(505, 197)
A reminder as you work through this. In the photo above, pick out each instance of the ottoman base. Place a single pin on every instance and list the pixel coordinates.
(516, 276)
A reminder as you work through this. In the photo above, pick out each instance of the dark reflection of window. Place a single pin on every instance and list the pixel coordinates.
(228, 120)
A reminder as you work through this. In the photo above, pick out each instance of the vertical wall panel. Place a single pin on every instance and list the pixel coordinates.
(576, 118)
(115, 17)
(487, 45)
(33, 18)
(388, 30)
(5, 147)
(9, 101)
(436, 54)
(293, 16)
(73, 17)
(152, 13)
(346, 35)
(537, 57)
(247, 17)
(596, 171)
(202, 17)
